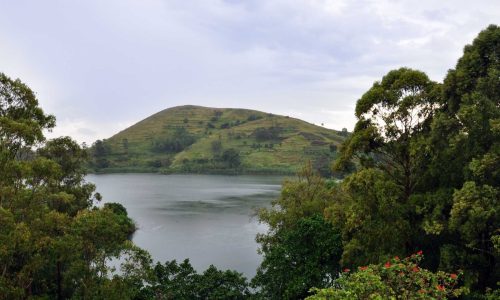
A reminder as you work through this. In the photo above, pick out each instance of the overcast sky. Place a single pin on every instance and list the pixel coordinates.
(101, 66)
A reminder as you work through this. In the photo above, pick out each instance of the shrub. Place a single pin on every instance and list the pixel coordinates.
(396, 279)
(266, 134)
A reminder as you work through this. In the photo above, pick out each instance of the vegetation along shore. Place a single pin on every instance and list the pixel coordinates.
(415, 216)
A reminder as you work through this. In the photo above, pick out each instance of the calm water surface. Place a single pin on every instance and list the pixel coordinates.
(206, 218)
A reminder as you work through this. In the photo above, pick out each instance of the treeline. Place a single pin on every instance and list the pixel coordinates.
(416, 218)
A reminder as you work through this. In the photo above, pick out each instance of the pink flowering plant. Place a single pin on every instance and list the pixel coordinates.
(395, 279)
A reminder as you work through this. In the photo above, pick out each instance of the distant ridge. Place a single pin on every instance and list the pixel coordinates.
(196, 139)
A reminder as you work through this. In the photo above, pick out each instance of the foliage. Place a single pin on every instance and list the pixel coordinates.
(373, 207)
(396, 279)
(22, 121)
(427, 177)
(392, 116)
(232, 158)
(303, 196)
(299, 258)
(373, 220)
(181, 281)
(151, 142)
(465, 148)
(253, 117)
(322, 164)
(178, 141)
(216, 146)
(267, 134)
(300, 249)
(54, 243)
(100, 152)
(427, 160)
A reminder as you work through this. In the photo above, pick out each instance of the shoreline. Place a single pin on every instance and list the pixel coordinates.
(203, 172)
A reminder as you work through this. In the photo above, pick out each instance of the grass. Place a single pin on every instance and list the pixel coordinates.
(297, 143)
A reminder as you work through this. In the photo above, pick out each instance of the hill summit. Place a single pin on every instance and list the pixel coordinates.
(195, 139)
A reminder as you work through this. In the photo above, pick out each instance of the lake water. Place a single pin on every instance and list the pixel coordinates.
(206, 218)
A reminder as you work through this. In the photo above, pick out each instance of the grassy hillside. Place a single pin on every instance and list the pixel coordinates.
(215, 140)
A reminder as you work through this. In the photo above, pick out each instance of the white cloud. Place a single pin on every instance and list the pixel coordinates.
(97, 65)
(86, 132)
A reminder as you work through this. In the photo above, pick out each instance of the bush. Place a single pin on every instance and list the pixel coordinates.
(396, 279)
(216, 146)
(253, 117)
(266, 134)
(178, 141)
(232, 157)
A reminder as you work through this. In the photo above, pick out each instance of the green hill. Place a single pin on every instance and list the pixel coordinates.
(216, 140)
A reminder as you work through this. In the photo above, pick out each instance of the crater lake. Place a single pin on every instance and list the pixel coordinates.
(209, 219)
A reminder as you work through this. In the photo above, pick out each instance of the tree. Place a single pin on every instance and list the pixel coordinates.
(429, 154)
(374, 208)
(176, 142)
(465, 158)
(333, 148)
(125, 145)
(232, 157)
(304, 196)
(301, 250)
(174, 280)
(344, 132)
(216, 146)
(70, 159)
(304, 256)
(373, 222)
(100, 152)
(267, 134)
(54, 242)
(22, 121)
(253, 117)
(392, 116)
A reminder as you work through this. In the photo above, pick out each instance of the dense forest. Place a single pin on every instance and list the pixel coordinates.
(416, 218)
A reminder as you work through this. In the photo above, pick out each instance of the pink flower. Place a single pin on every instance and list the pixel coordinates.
(453, 276)
(387, 265)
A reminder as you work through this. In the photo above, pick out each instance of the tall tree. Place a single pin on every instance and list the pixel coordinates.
(392, 115)
(22, 121)
(54, 242)
(374, 207)
(439, 145)
(465, 162)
